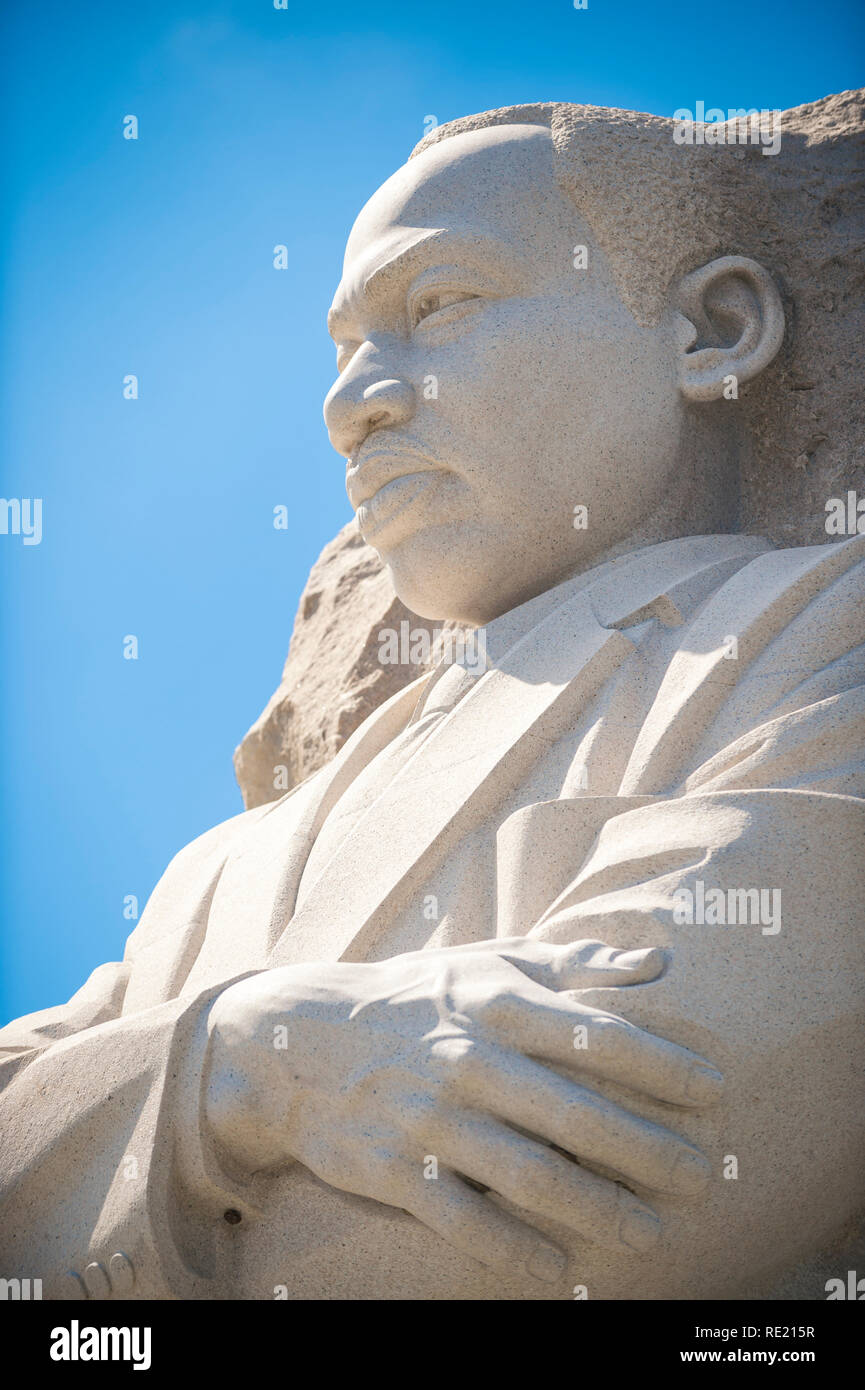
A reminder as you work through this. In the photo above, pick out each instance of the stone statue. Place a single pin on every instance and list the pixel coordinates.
(550, 983)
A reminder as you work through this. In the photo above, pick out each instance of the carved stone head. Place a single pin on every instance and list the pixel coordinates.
(563, 332)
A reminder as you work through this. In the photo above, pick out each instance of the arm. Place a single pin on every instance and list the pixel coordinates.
(776, 998)
(365, 1072)
(90, 1168)
(102, 1154)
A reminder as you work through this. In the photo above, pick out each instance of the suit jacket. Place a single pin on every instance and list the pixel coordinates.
(690, 713)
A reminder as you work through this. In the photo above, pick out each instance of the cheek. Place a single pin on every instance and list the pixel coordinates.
(552, 378)
(504, 388)
(514, 355)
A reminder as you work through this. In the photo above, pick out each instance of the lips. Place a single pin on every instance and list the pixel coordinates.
(397, 509)
(368, 474)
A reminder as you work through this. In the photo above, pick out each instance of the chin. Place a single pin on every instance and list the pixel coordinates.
(438, 581)
(455, 593)
(436, 600)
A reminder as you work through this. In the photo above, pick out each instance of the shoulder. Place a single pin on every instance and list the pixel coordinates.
(796, 677)
(784, 632)
(784, 582)
(800, 609)
(788, 580)
(807, 601)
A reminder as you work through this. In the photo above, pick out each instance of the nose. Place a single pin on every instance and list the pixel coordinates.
(363, 400)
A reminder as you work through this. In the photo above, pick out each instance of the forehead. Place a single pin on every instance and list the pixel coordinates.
(481, 188)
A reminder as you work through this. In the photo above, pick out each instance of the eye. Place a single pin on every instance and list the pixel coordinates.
(433, 301)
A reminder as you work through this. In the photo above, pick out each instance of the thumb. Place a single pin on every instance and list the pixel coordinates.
(594, 965)
(582, 964)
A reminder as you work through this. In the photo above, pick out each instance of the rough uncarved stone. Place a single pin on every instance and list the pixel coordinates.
(806, 413)
(582, 925)
(333, 677)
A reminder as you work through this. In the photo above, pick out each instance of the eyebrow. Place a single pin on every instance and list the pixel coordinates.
(380, 281)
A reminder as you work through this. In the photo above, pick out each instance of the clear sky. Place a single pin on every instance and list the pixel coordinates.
(257, 126)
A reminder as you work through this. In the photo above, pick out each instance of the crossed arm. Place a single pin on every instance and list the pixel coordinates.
(363, 1072)
(368, 1073)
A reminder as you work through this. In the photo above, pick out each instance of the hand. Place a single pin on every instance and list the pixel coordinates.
(363, 1072)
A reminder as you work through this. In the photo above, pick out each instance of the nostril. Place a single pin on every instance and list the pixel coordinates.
(352, 414)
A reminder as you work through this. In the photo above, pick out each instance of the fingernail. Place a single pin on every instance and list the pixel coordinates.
(704, 1084)
(547, 1263)
(640, 1229)
(691, 1172)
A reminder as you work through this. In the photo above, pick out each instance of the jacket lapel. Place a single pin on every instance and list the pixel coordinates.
(257, 887)
(485, 747)
(456, 777)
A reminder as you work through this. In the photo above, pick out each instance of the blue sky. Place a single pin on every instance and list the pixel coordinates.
(257, 126)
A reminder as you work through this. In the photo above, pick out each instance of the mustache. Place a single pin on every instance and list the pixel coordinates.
(379, 460)
(388, 443)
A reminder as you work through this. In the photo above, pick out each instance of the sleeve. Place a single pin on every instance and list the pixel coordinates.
(737, 846)
(770, 796)
(756, 897)
(108, 1184)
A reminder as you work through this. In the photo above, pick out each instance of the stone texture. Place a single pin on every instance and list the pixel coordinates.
(333, 677)
(807, 442)
(487, 1005)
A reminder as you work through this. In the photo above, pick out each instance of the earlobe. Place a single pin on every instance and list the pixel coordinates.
(730, 324)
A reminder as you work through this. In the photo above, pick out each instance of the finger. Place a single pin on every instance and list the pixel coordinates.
(534, 1177)
(477, 1227)
(564, 1030)
(525, 1093)
(594, 965)
(579, 964)
(573, 923)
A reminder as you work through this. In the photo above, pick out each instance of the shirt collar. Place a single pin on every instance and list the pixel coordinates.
(643, 574)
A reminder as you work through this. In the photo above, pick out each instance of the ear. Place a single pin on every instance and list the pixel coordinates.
(731, 323)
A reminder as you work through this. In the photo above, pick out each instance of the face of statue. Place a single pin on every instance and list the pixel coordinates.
(488, 387)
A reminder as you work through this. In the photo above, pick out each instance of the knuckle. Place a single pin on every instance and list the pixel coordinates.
(609, 1032)
(459, 1061)
(582, 952)
(450, 1052)
(497, 1009)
